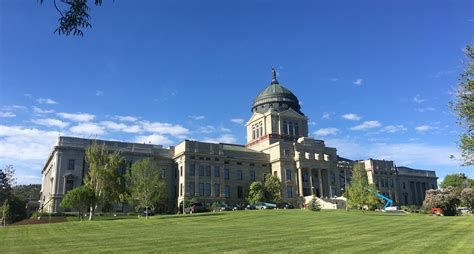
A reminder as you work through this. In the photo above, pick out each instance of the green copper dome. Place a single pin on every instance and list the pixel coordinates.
(275, 97)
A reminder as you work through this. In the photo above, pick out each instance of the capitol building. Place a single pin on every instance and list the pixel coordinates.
(277, 144)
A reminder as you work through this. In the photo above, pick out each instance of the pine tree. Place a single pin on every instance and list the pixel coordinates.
(314, 205)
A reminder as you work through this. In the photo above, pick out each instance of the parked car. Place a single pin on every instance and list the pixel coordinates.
(198, 208)
(250, 207)
(285, 206)
(264, 205)
(238, 207)
(149, 212)
(222, 208)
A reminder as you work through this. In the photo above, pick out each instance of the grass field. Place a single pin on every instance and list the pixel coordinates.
(250, 231)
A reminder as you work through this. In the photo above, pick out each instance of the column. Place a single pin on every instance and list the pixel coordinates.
(329, 183)
(300, 182)
(311, 181)
(321, 192)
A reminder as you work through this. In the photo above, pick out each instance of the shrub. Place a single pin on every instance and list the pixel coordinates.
(445, 199)
(314, 205)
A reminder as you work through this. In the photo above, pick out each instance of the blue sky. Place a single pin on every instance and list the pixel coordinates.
(374, 77)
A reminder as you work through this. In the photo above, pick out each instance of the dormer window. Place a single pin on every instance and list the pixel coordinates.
(291, 128)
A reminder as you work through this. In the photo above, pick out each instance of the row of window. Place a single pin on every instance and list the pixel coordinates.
(205, 190)
(290, 128)
(207, 171)
(257, 130)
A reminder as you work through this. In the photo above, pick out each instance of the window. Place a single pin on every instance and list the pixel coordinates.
(69, 185)
(192, 189)
(290, 128)
(316, 156)
(239, 174)
(227, 191)
(192, 169)
(226, 173)
(208, 170)
(289, 191)
(207, 189)
(305, 177)
(217, 171)
(404, 186)
(252, 175)
(181, 189)
(288, 174)
(163, 173)
(254, 132)
(217, 190)
(181, 171)
(297, 130)
(285, 127)
(307, 155)
(70, 164)
(201, 170)
(240, 192)
(201, 189)
(326, 157)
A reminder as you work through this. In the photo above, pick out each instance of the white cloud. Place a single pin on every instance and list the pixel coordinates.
(77, 117)
(223, 129)
(121, 127)
(197, 117)
(46, 101)
(422, 110)
(237, 120)
(358, 82)
(366, 125)
(401, 153)
(7, 114)
(50, 122)
(393, 128)
(207, 129)
(42, 111)
(99, 93)
(126, 118)
(14, 108)
(326, 131)
(87, 129)
(423, 128)
(226, 138)
(327, 115)
(418, 99)
(21, 143)
(165, 128)
(156, 139)
(351, 117)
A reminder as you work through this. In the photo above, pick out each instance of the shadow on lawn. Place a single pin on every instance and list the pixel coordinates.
(180, 216)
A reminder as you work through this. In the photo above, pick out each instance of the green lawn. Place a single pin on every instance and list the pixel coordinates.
(250, 231)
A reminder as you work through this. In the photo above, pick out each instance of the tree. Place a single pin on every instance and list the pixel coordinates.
(75, 18)
(27, 192)
(272, 189)
(145, 185)
(103, 177)
(80, 198)
(314, 205)
(7, 180)
(463, 106)
(446, 198)
(5, 212)
(256, 193)
(358, 191)
(467, 199)
(458, 181)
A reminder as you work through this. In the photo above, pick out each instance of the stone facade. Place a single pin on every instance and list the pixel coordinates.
(277, 144)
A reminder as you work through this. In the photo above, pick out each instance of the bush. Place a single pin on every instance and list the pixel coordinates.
(445, 199)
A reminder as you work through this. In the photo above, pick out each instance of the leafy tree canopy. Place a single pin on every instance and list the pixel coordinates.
(463, 106)
(256, 193)
(446, 198)
(458, 181)
(75, 17)
(80, 198)
(272, 189)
